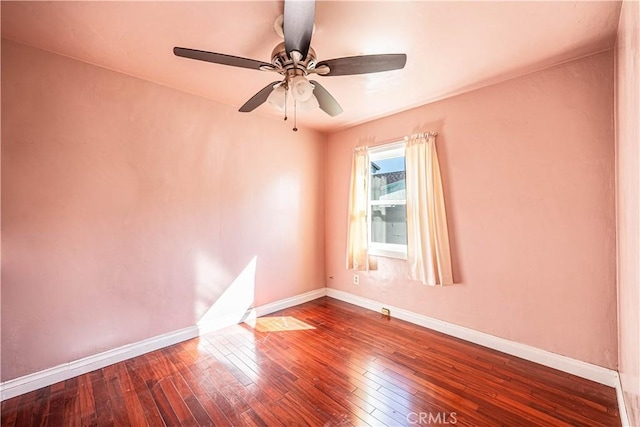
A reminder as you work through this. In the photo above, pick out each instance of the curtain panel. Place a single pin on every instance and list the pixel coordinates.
(428, 252)
(358, 227)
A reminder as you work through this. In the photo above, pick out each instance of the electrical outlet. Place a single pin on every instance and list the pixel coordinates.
(356, 279)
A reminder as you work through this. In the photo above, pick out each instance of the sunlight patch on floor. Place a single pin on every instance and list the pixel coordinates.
(278, 323)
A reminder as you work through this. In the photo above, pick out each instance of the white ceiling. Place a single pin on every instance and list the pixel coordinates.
(451, 46)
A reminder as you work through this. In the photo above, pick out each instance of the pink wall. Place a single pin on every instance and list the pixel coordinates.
(628, 203)
(128, 208)
(528, 170)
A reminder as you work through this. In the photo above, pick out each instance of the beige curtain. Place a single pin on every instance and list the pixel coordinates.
(357, 232)
(428, 252)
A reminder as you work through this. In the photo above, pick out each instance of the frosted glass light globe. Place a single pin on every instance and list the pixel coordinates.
(277, 97)
(301, 89)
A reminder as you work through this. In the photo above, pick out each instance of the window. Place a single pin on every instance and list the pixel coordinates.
(387, 202)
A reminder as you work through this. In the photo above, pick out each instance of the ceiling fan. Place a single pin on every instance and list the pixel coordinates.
(295, 59)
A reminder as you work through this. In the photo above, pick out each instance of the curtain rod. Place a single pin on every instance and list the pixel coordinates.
(423, 134)
(398, 141)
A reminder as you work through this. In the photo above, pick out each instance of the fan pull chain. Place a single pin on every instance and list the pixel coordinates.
(286, 92)
(295, 104)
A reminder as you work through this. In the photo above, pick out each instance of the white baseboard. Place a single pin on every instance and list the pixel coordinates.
(263, 310)
(27, 383)
(579, 368)
(622, 408)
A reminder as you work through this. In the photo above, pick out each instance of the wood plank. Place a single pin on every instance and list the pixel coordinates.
(102, 402)
(145, 398)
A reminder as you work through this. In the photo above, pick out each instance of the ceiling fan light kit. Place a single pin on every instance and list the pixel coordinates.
(301, 89)
(277, 98)
(311, 104)
(294, 60)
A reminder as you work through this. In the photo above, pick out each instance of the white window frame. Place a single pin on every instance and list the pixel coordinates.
(388, 250)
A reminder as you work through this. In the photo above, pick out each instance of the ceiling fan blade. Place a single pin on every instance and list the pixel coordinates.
(327, 103)
(258, 99)
(219, 58)
(364, 64)
(298, 25)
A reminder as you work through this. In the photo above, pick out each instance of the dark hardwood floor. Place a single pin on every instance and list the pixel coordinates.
(324, 363)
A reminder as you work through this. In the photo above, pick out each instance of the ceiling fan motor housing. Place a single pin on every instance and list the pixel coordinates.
(289, 68)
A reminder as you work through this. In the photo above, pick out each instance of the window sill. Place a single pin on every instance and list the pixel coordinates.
(387, 253)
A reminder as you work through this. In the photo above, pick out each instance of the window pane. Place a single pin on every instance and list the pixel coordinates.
(388, 179)
(389, 224)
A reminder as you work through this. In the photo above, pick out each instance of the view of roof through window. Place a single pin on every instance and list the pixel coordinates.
(388, 165)
(388, 179)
